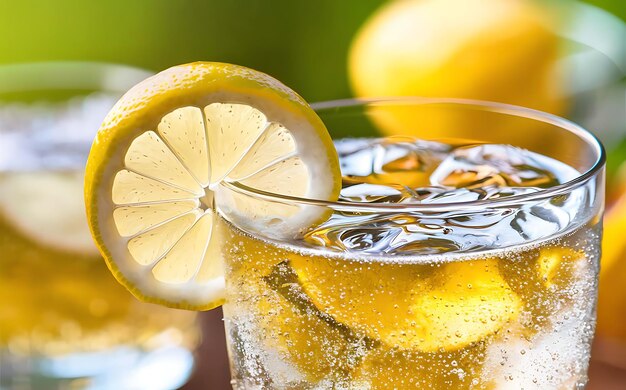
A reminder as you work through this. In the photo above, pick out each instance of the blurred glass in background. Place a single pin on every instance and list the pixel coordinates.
(65, 322)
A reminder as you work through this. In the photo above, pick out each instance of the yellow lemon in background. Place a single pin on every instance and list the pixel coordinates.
(612, 291)
(478, 49)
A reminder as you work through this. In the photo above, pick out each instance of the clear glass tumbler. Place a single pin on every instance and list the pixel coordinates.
(64, 321)
(462, 253)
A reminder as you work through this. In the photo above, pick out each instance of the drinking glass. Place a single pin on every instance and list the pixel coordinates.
(64, 321)
(460, 291)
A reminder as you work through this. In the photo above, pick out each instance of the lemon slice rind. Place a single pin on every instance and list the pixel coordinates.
(156, 169)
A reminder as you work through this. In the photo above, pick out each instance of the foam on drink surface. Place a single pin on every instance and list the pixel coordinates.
(498, 295)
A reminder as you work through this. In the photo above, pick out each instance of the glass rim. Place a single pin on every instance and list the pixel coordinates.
(495, 107)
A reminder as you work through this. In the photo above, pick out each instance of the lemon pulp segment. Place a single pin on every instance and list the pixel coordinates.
(153, 181)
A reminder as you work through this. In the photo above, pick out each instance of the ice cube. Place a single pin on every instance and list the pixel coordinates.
(394, 193)
(454, 196)
(394, 160)
(554, 358)
(416, 232)
(459, 195)
(376, 172)
(375, 193)
(499, 165)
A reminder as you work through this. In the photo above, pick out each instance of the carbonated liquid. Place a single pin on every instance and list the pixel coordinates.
(494, 296)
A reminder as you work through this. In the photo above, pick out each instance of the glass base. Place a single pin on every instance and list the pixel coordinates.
(120, 368)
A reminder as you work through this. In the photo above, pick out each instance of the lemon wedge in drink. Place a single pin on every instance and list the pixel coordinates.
(412, 306)
(159, 161)
(557, 266)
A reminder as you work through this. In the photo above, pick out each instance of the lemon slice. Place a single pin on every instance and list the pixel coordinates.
(412, 306)
(156, 167)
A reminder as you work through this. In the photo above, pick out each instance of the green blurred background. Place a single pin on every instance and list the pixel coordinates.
(304, 44)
